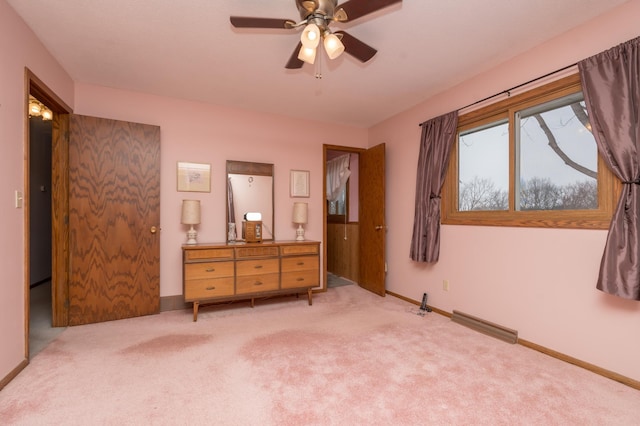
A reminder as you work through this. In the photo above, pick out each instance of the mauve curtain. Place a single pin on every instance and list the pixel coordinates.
(611, 87)
(436, 141)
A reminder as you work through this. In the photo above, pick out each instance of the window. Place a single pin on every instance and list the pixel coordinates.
(338, 172)
(337, 211)
(530, 160)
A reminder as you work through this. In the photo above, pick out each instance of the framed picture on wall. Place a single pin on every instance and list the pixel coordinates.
(194, 177)
(299, 180)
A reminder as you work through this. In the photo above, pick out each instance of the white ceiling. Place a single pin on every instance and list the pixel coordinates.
(188, 49)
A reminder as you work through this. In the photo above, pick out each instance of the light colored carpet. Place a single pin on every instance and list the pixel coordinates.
(352, 358)
(41, 333)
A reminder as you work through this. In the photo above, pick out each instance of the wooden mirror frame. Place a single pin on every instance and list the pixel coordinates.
(255, 169)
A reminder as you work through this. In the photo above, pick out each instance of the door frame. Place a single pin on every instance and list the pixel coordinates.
(59, 200)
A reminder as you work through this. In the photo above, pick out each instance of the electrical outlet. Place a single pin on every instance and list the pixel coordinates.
(445, 285)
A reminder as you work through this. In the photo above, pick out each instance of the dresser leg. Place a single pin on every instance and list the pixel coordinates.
(195, 311)
(309, 292)
(252, 302)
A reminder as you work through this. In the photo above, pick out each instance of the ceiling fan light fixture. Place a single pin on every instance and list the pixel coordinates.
(333, 46)
(310, 36)
(38, 109)
(307, 54)
(34, 108)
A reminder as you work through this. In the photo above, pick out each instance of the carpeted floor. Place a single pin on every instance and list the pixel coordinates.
(41, 333)
(352, 358)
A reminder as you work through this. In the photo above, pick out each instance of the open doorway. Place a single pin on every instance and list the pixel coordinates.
(341, 218)
(355, 238)
(41, 330)
(45, 214)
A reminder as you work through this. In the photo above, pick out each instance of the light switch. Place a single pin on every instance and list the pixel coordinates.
(18, 200)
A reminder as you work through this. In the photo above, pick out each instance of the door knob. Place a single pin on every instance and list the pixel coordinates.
(379, 227)
(154, 229)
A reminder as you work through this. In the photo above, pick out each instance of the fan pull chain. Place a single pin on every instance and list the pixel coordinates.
(318, 71)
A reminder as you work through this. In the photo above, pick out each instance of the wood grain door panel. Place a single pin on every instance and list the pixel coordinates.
(372, 220)
(114, 205)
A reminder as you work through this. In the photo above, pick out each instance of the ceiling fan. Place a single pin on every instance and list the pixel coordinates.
(316, 16)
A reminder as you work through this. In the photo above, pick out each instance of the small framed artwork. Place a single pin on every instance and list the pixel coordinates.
(194, 177)
(299, 183)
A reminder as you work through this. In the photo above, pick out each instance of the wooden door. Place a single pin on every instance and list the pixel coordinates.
(60, 220)
(114, 220)
(372, 220)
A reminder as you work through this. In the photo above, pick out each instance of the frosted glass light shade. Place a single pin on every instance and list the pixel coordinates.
(307, 54)
(310, 36)
(34, 108)
(333, 46)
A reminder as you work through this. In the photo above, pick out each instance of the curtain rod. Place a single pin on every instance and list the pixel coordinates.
(514, 88)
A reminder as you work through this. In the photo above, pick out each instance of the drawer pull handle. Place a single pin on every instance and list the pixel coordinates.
(210, 270)
(211, 288)
(300, 279)
(258, 267)
(257, 283)
(300, 263)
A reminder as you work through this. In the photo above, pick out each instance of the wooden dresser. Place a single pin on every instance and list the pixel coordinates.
(221, 272)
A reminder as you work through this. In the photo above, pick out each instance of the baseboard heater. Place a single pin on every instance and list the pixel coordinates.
(486, 327)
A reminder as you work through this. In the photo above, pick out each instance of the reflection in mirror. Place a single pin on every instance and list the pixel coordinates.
(249, 190)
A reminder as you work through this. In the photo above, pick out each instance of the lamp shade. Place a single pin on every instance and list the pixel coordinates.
(310, 36)
(307, 54)
(333, 46)
(300, 212)
(190, 212)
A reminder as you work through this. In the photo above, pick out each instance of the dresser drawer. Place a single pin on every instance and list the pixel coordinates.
(294, 249)
(257, 283)
(196, 271)
(204, 289)
(298, 279)
(253, 267)
(300, 263)
(252, 251)
(206, 254)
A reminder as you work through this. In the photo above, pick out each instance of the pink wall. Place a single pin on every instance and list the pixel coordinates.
(19, 48)
(197, 132)
(540, 282)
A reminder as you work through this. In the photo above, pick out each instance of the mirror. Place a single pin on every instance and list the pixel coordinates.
(249, 190)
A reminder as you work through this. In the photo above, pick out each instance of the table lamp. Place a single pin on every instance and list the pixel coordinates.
(300, 218)
(191, 216)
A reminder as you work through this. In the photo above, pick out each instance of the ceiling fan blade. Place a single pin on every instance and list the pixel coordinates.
(354, 9)
(354, 47)
(295, 63)
(249, 22)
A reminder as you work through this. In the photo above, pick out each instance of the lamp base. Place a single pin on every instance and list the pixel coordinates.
(300, 233)
(192, 234)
